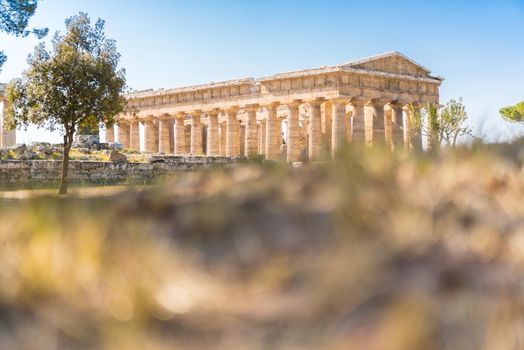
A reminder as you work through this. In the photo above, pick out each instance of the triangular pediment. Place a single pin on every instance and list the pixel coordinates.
(394, 62)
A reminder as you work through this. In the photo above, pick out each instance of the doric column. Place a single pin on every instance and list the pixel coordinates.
(378, 124)
(110, 134)
(358, 122)
(187, 134)
(180, 134)
(293, 132)
(397, 122)
(196, 133)
(315, 130)
(242, 138)
(123, 133)
(374, 122)
(120, 132)
(407, 129)
(223, 138)
(338, 133)
(134, 134)
(349, 123)
(304, 138)
(273, 132)
(251, 131)
(262, 138)
(157, 133)
(327, 117)
(388, 126)
(233, 131)
(165, 134)
(213, 141)
(151, 144)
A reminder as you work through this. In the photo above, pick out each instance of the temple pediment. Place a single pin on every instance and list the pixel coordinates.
(394, 63)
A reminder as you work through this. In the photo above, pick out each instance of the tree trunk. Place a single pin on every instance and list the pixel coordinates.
(455, 139)
(68, 139)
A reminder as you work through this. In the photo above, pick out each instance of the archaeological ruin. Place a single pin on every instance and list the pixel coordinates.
(312, 112)
(306, 114)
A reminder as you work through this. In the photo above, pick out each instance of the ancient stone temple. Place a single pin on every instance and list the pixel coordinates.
(7, 137)
(293, 116)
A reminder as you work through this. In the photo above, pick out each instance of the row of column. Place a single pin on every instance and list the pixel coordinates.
(331, 125)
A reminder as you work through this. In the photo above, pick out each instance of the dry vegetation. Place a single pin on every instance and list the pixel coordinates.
(374, 252)
(46, 151)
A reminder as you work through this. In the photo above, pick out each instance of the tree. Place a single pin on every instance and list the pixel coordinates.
(443, 126)
(76, 85)
(514, 114)
(14, 18)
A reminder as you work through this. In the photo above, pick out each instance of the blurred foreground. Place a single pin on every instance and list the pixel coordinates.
(373, 252)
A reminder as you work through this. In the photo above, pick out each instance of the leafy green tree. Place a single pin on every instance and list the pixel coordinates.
(14, 18)
(444, 126)
(514, 114)
(76, 85)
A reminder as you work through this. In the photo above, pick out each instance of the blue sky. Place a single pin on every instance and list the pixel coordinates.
(476, 45)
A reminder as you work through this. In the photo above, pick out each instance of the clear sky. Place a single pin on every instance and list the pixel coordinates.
(478, 46)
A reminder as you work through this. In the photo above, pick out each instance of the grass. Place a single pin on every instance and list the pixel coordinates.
(375, 251)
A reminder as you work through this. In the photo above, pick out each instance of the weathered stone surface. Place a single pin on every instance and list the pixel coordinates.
(387, 79)
(117, 157)
(87, 141)
(24, 171)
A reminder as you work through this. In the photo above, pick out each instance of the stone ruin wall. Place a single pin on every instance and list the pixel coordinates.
(35, 171)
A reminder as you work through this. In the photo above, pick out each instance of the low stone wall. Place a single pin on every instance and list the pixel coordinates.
(22, 171)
